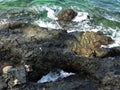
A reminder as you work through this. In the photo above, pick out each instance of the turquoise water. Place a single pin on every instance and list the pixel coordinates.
(106, 12)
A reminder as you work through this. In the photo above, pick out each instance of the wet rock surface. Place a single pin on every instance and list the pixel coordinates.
(65, 17)
(34, 51)
(18, 14)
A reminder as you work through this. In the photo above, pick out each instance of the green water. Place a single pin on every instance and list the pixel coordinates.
(106, 12)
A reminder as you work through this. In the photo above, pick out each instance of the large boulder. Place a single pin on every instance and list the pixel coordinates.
(67, 15)
(45, 50)
(89, 44)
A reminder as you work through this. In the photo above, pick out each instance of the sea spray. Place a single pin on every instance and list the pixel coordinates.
(54, 75)
(83, 22)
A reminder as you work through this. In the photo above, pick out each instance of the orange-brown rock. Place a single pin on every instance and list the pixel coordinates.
(89, 44)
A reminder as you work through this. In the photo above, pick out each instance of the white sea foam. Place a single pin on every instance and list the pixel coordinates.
(51, 14)
(81, 16)
(53, 76)
(115, 44)
(82, 23)
(114, 34)
(52, 25)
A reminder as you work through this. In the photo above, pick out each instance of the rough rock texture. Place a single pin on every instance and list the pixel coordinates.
(15, 76)
(44, 50)
(89, 44)
(8, 24)
(67, 15)
(19, 14)
(3, 84)
(71, 83)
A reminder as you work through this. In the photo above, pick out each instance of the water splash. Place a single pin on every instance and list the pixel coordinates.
(54, 75)
(82, 22)
(45, 14)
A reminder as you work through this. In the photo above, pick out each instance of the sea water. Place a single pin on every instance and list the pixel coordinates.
(104, 14)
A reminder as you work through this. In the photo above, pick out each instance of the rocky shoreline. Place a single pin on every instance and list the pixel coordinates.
(27, 52)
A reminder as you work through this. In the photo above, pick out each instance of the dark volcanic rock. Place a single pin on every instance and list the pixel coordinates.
(3, 85)
(44, 50)
(115, 51)
(18, 14)
(15, 76)
(71, 83)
